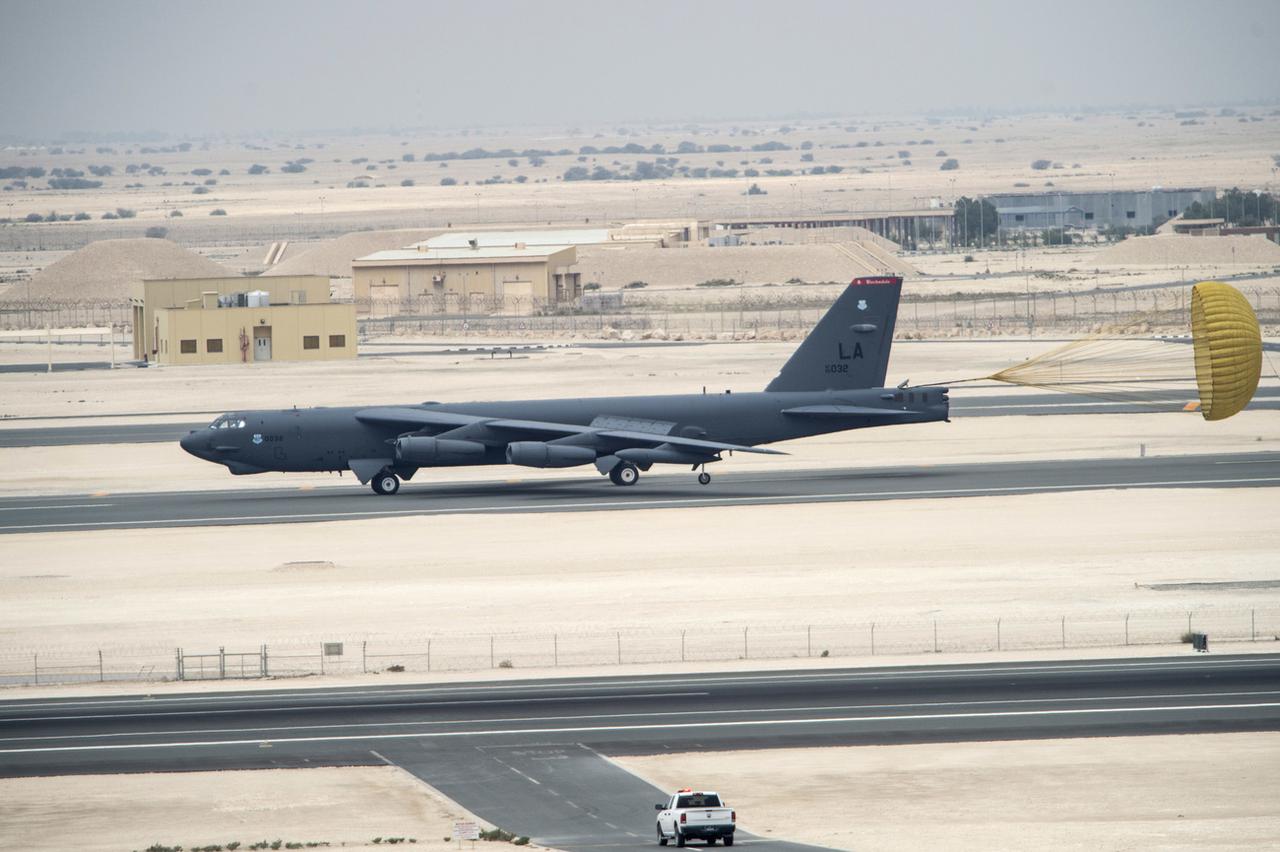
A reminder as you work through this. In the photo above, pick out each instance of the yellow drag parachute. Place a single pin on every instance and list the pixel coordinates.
(1228, 349)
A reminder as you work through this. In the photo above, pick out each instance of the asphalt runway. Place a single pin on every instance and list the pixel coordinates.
(532, 756)
(24, 514)
(962, 405)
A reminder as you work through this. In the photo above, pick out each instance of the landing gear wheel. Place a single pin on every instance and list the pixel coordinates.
(625, 474)
(704, 478)
(679, 838)
(662, 838)
(385, 483)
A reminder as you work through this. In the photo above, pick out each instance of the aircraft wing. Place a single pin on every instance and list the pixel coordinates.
(844, 411)
(415, 417)
(625, 435)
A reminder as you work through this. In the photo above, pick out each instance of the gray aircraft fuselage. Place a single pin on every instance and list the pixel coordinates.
(832, 383)
(326, 439)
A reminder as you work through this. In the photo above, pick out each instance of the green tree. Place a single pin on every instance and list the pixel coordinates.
(974, 220)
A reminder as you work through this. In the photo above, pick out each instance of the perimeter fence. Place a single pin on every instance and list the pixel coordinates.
(345, 655)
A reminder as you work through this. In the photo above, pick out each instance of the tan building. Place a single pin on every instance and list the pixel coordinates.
(237, 320)
(480, 278)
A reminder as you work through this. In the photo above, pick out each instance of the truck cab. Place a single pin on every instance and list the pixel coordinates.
(695, 815)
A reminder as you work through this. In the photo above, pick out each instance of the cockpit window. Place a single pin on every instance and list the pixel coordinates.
(227, 421)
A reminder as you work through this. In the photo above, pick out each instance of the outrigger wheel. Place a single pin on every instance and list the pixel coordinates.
(385, 482)
(624, 473)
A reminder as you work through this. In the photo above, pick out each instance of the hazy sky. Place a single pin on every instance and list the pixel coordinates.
(230, 66)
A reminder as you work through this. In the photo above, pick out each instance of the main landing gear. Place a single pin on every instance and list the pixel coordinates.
(385, 482)
(625, 474)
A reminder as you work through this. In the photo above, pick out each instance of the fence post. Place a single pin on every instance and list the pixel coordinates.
(222, 663)
(873, 638)
(809, 640)
(321, 658)
(619, 637)
(555, 649)
(364, 657)
(266, 665)
(1064, 631)
(1188, 622)
(1253, 624)
(997, 634)
(35, 667)
(682, 633)
(935, 636)
(1126, 628)
(178, 661)
(101, 676)
(490, 650)
(746, 649)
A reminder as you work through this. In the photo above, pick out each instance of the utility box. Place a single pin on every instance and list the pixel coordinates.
(1200, 642)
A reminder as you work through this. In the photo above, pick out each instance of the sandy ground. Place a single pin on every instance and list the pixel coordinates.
(1210, 791)
(396, 582)
(345, 807)
(1094, 152)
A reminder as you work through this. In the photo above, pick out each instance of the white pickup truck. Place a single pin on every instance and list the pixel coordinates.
(690, 815)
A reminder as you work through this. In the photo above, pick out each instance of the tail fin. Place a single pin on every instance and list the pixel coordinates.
(849, 347)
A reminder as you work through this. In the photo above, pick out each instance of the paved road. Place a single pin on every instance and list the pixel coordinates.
(530, 756)
(103, 431)
(662, 491)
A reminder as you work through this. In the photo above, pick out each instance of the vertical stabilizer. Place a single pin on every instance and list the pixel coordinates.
(849, 347)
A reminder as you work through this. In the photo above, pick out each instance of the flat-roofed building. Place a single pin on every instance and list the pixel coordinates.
(238, 320)
(475, 277)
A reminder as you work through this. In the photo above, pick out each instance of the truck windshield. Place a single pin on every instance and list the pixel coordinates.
(698, 800)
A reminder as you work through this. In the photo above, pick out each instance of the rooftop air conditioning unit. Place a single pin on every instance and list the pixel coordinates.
(474, 243)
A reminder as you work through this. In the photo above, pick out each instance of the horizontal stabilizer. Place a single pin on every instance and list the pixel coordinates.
(844, 411)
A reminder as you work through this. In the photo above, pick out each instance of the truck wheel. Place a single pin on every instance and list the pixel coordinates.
(711, 841)
(662, 838)
(728, 841)
(679, 837)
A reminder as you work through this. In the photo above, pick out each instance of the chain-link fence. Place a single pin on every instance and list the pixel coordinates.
(477, 652)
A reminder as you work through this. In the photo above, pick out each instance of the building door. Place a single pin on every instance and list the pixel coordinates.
(262, 343)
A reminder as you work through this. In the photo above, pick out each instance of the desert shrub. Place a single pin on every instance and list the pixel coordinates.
(126, 213)
(258, 169)
(210, 181)
(175, 214)
(448, 181)
(109, 215)
(950, 164)
(395, 668)
(806, 158)
(636, 285)
(505, 664)
(719, 282)
(1041, 165)
(34, 217)
(201, 172)
(200, 190)
(590, 285)
(156, 232)
(407, 182)
(293, 167)
(754, 189)
(81, 216)
(407, 158)
(224, 172)
(941, 153)
(73, 183)
(217, 212)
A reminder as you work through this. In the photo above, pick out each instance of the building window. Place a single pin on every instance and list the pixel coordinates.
(187, 347)
(213, 344)
(1129, 214)
(337, 341)
(1018, 217)
(1088, 217)
(311, 341)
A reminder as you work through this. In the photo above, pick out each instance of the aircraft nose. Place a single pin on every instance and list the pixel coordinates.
(191, 443)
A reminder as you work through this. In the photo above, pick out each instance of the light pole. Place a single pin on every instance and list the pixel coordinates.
(635, 203)
(477, 208)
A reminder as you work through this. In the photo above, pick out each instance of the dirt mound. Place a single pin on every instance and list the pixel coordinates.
(1178, 250)
(107, 269)
(687, 267)
(333, 257)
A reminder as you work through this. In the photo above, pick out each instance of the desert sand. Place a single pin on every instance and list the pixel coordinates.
(1209, 791)
(345, 807)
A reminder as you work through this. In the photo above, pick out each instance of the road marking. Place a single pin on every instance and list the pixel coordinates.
(828, 708)
(379, 705)
(60, 506)
(380, 757)
(825, 720)
(649, 504)
(954, 671)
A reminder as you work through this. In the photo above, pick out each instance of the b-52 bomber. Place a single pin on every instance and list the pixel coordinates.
(832, 383)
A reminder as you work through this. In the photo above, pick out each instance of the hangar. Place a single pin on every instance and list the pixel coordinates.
(235, 320)
(472, 278)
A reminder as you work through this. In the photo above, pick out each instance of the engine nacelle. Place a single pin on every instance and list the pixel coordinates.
(538, 454)
(424, 451)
